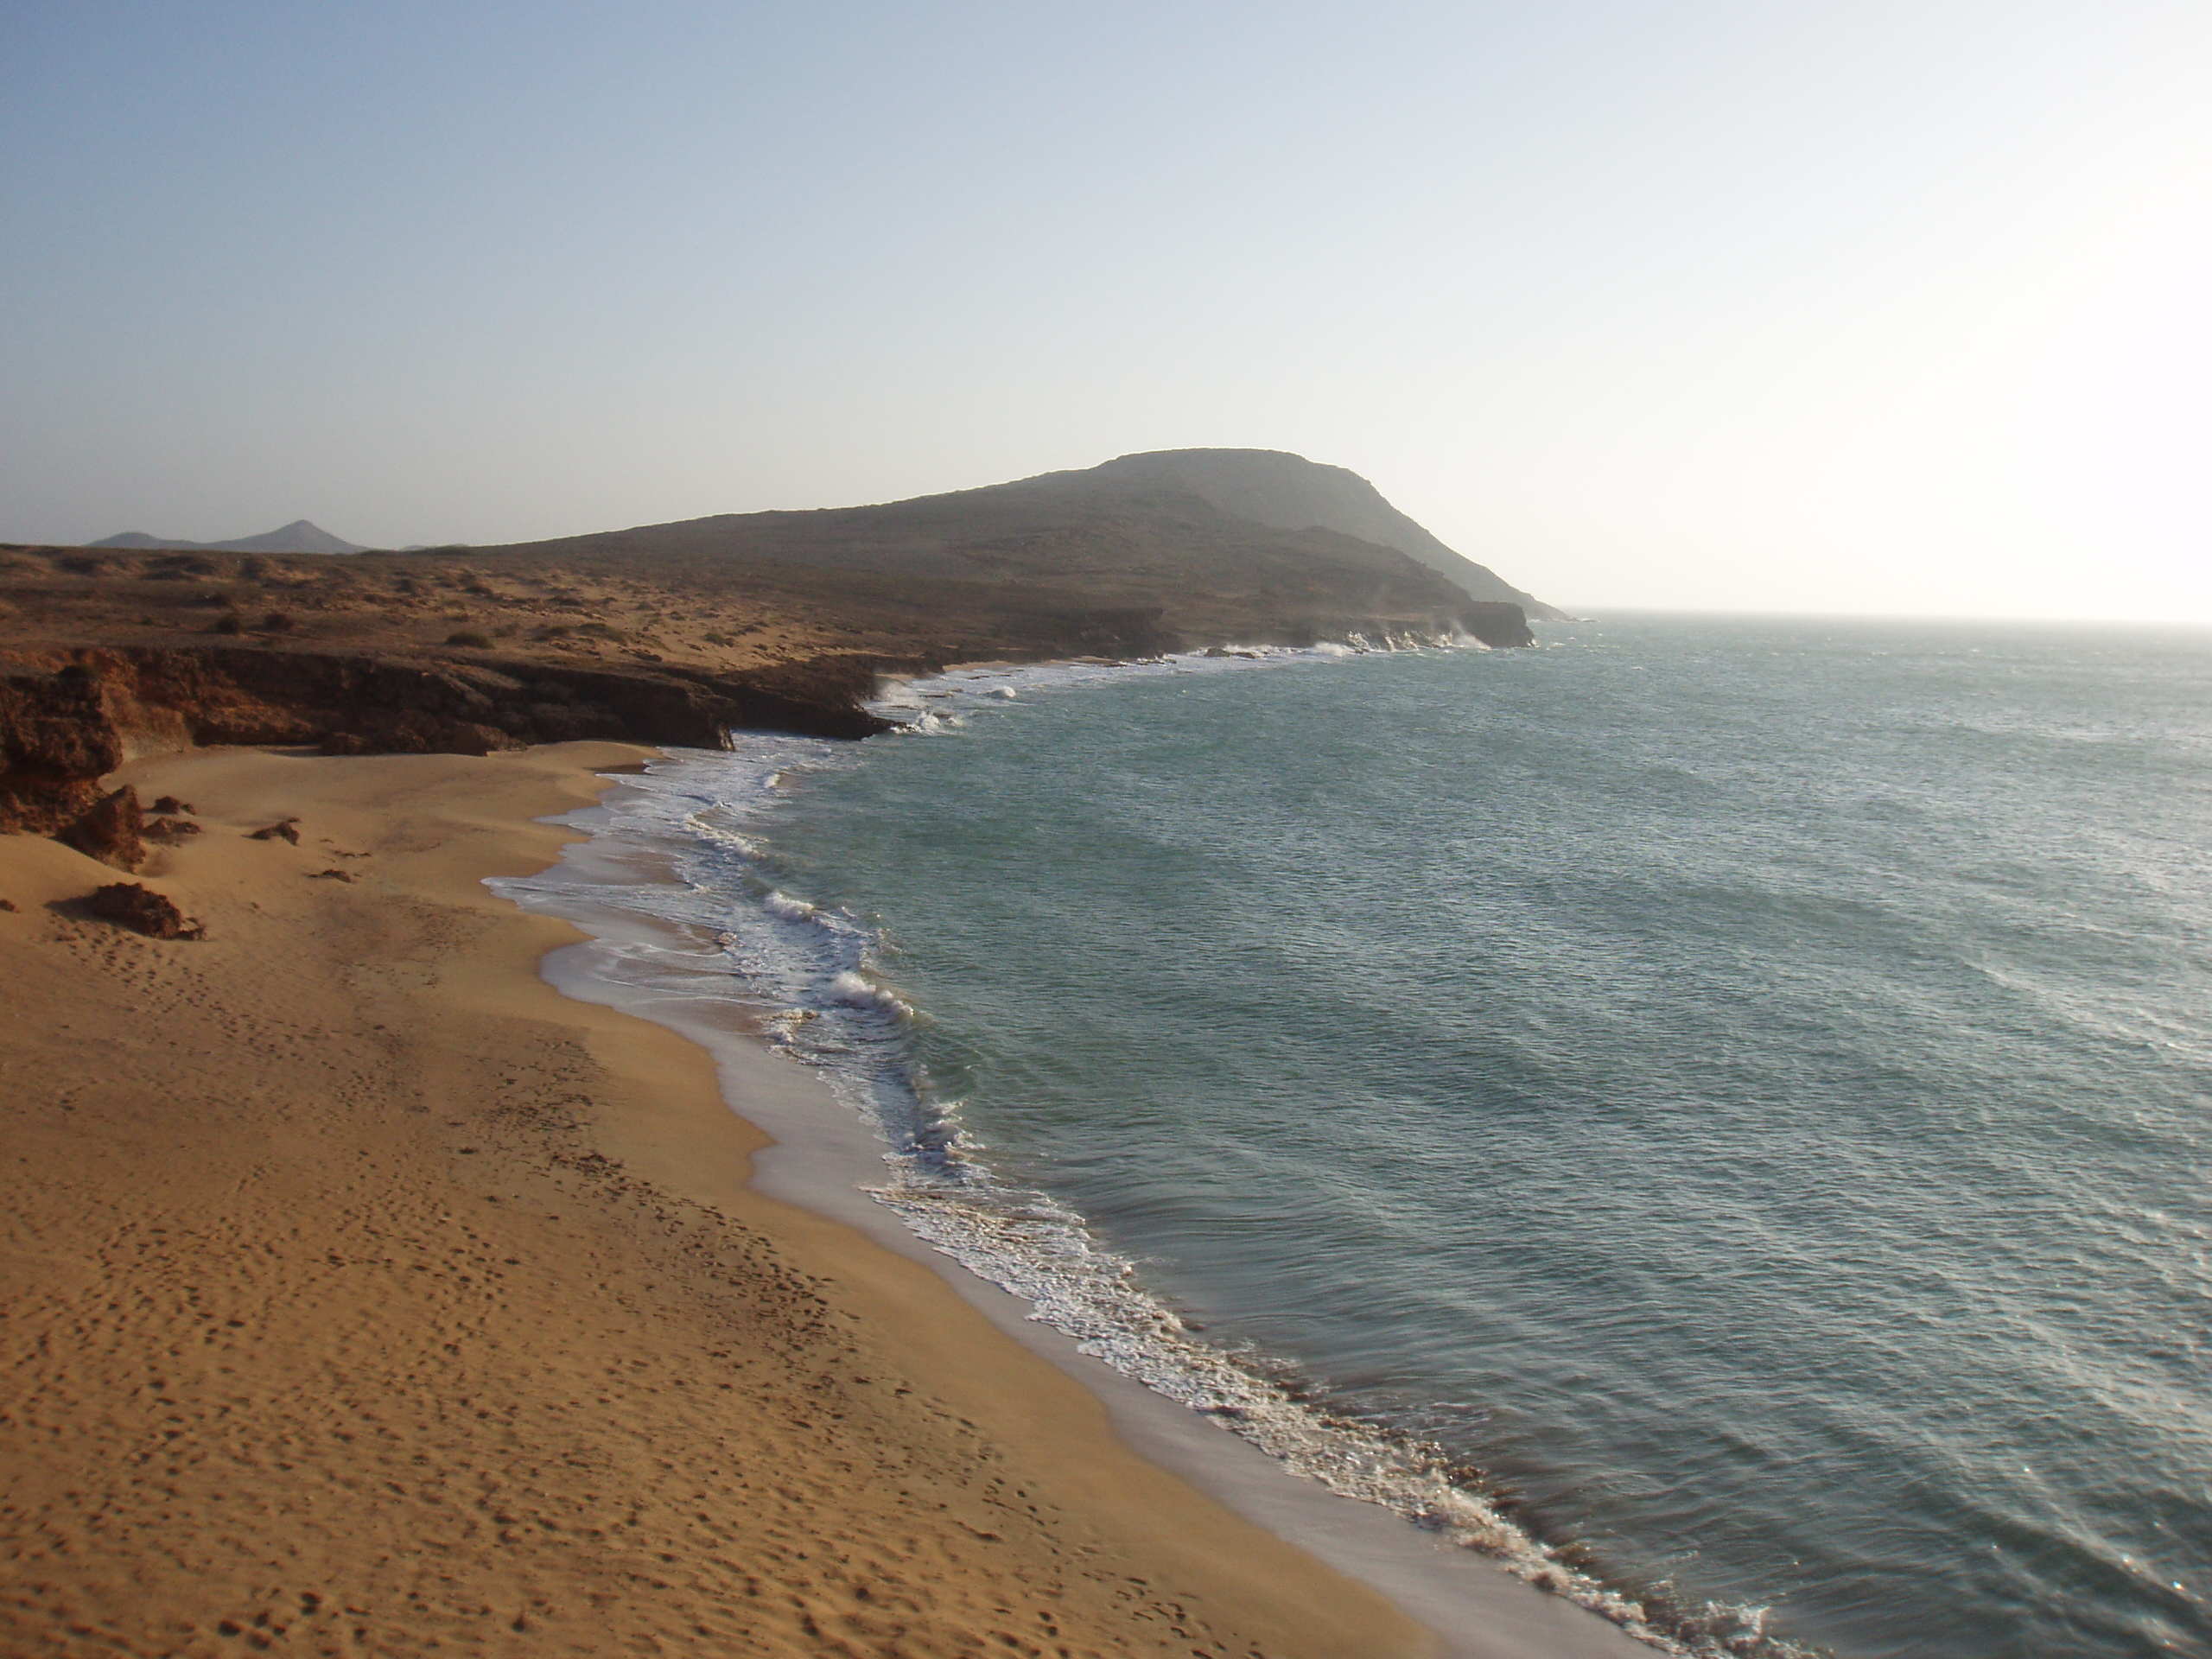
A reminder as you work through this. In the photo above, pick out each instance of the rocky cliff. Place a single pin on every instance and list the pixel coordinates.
(56, 741)
(62, 729)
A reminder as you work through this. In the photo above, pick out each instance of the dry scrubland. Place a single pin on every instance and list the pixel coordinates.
(407, 603)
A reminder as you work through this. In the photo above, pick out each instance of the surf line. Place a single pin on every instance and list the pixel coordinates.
(678, 888)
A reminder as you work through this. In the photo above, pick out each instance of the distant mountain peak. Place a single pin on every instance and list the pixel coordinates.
(298, 537)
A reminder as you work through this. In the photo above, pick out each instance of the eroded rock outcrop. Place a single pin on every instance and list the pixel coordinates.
(112, 831)
(1498, 625)
(61, 731)
(142, 910)
(56, 743)
(379, 705)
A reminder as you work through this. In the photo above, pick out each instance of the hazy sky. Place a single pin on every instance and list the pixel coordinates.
(1863, 306)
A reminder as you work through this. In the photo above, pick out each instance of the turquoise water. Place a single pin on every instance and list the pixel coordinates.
(1732, 1094)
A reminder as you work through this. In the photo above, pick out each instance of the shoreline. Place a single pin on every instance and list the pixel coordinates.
(823, 1156)
(366, 1292)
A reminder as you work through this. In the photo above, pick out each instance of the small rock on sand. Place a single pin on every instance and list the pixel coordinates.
(281, 828)
(142, 910)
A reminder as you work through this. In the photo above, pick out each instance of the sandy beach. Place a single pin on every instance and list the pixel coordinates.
(364, 1294)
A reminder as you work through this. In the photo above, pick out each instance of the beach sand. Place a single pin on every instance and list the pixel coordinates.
(364, 1294)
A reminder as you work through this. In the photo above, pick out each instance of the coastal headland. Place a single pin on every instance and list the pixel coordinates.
(364, 1293)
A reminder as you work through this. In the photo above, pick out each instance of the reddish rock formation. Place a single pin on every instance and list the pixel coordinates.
(60, 732)
(111, 831)
(56, 743)
(142, 910)
(280, 830)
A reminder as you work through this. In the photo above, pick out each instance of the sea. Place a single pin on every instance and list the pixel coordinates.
(1715, 1113)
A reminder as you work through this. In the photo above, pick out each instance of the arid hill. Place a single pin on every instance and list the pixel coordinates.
(1214, 538)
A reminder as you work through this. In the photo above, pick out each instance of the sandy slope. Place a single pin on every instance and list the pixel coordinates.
(364, 1295)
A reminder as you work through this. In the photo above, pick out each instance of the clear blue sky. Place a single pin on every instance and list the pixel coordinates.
(1862, 307)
